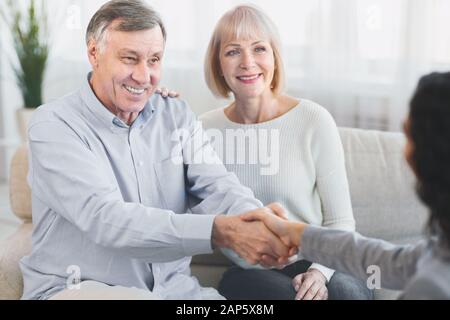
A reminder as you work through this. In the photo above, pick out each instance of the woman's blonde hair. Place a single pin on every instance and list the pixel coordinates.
(242, 22)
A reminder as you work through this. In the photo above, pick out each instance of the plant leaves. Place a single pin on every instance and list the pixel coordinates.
(28, 34)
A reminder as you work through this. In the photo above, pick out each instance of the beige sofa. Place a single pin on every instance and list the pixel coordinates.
(381, 186)
(19, 243)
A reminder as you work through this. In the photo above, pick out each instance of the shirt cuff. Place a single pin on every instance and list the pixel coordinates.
(245, 206)
(327, 272)
(196, 234)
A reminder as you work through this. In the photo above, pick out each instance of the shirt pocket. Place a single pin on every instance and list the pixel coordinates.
(171, 180)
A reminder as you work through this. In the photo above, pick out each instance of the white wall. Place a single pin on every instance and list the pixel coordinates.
(2, 129)
(10, 100)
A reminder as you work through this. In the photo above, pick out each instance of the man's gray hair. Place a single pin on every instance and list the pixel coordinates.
(134, 15)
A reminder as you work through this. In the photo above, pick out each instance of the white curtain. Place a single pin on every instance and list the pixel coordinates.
(360, 59)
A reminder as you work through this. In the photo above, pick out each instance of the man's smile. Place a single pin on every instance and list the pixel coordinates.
(134, 90)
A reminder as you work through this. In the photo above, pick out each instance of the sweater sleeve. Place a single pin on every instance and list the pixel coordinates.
(331, 179)
(353, 254)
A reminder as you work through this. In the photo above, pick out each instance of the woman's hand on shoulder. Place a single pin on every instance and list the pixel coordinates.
(164, 92)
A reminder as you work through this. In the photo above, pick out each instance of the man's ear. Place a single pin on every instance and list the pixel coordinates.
(409, 155)
(410, 148)
(93, 53)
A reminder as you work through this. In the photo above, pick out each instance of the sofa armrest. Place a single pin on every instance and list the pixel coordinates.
(19, 191)
(11, 251)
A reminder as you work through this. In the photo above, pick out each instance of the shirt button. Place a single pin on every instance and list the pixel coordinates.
(141, 163)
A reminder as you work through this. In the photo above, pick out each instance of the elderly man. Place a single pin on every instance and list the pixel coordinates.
(118, 204)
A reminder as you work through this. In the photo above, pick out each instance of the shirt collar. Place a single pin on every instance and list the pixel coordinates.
(106, 117)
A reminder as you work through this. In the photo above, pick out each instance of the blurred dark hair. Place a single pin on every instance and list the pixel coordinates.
(429, 129)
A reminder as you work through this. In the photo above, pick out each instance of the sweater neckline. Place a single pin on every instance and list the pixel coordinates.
(265, 123)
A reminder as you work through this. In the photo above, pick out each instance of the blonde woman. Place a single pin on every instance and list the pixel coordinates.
(292, 151)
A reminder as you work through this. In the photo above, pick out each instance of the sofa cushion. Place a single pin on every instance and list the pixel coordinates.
(382, 187)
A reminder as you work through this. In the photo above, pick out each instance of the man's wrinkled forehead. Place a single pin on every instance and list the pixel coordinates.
(141, 42)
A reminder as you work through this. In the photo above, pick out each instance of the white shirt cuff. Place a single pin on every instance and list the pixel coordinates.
(327, 272)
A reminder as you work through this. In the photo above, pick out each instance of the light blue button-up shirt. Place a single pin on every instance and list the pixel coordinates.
(123, 205)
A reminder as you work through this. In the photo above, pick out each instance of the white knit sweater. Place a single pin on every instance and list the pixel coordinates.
(296, 160)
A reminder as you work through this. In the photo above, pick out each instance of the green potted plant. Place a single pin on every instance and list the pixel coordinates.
(29, 33)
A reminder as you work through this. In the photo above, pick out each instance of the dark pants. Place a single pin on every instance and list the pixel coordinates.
(242, 284)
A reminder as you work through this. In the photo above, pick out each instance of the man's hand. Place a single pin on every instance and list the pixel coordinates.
(288, 231)
(310, 285)
(251, 240)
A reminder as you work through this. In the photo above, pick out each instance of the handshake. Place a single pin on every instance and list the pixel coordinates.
(263, 236)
